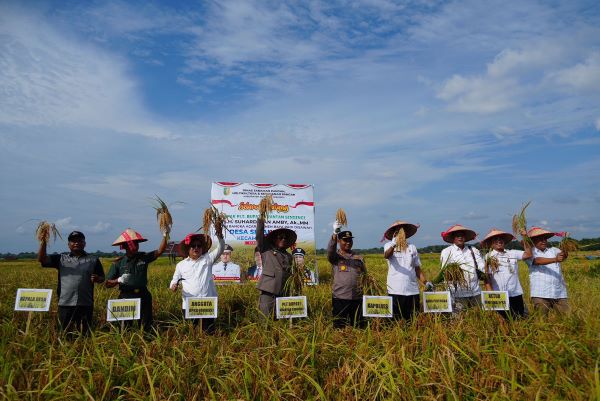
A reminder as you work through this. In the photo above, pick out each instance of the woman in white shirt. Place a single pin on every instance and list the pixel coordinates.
(547, 284)
(404, 269)
(505, 274)
(194, 273)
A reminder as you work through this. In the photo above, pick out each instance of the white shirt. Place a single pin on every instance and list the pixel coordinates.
(226, 270)
(197, 275)
(454, 254)
(401, 277)
(546, 281)
(507, 276)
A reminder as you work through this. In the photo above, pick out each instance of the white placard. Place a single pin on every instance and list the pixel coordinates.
(494, 300)
(290, 307)
(437, 302)
(123, 309)
(201, 307)
(33, 299)
(377, 306)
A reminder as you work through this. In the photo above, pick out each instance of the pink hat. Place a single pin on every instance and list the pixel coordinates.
(184, 245)
(469, 234)
(128, 237)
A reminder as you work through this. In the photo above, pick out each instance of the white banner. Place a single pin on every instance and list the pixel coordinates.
(293, 208)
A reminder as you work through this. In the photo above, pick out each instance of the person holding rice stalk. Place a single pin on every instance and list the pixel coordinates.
(502, 268)
(276, 260)
(547, 285)
(77, 274)
(404, 268)
(467, 265)
(130, 272)
(195, 272)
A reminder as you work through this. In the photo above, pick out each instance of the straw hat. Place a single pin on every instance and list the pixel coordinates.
(470, 235)
(494, 232)
(409, 229)
(290, 234)
(129, 235)
(184, 246)
(539, 232)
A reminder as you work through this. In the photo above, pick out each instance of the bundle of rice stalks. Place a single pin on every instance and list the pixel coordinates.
(293, 285)
(519, 223)
(401, 243)
(163, 216)
(568, 244)
(212, 217)
(340, 217)
(452, 274)
(46, 230)
(370, 285)
(492, 265)
(265, 207)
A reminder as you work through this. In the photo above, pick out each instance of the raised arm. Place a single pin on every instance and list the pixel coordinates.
(214, 255)
(332, 255)
(388, 253)
(161, 247)
(260, 235)
(42, 254)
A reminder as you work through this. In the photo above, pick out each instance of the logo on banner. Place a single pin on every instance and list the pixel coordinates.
(290, 307)
(377, 306)
(437, 302)
(33, 300)
(494, 300)
(123, 309)
(201, 307)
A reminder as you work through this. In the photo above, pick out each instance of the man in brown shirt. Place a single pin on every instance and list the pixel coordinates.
(276, 264)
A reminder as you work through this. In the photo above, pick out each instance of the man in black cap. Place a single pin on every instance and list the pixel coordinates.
(77, 273)
(347, 269)
(299, 255)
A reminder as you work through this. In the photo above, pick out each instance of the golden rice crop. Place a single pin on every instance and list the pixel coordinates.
(212, 217)
(46, 230)
(369, 284)
(568, 244)
(265, 207)
(401, 243)
(340, 217)
(163, 216)
(293, 285)
(452, 274)
(492, 265)
(519, 223)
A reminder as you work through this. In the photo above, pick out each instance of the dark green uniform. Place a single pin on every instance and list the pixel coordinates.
(136, 286)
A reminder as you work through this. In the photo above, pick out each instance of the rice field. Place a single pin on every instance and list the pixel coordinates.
(474, 356)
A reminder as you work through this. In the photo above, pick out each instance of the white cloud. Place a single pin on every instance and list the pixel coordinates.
(99, 228)
(583, 76)
(65, 224)
(479, 95)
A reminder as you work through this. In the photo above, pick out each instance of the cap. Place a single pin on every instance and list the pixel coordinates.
(227, 248)
(299, 251)
(345, 235)
(75, 234)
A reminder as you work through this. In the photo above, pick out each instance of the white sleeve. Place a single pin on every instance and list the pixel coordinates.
(388, 245)
(215, 253)
(416, 260)
(478, 258)
(516, 254)
(176, 275)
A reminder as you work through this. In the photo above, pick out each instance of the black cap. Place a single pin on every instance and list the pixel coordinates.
(299, 251)
(345, 235)
(228, 248)
(75, 234)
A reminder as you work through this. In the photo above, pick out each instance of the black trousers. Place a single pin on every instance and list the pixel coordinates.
(145, 306)
(347, 312)
(208, 324)
(405, 306)
(75, 318)
(516, 308)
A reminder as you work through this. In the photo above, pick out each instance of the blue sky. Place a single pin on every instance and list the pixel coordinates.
(432, 112)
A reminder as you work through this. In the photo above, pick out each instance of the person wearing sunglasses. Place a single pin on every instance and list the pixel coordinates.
(194, 273)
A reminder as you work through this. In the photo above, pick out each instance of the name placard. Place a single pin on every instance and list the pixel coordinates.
(123, 309)
(290, 307)
(494, 300)
(437, 302)
(201, 307)
(33, 300)
(225, 280)
(377, 306)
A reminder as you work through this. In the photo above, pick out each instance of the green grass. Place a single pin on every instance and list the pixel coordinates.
(475, 356)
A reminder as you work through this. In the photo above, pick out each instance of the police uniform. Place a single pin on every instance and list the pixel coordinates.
(347, 294)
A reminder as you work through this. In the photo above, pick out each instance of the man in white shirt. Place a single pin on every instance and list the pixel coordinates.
(547, 284)
(404, 268)
(226, 271)
(502, 268)
(471, 263)
(194, 273)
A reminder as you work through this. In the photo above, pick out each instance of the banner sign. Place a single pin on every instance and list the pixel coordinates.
(494, 300)
(123, 309)
(436, 302)
(33, 300)
(290, 307)
(293, 208)
(377, 306)
(224, 280)
(200, 307)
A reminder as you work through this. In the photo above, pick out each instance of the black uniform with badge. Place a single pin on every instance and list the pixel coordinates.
(347, 293)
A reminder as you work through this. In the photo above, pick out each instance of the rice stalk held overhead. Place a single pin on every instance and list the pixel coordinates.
(265, 207)
(340, 217)
(218, 220)
(519, 223)
(46, 230)
(401, 243)
(163, 216)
